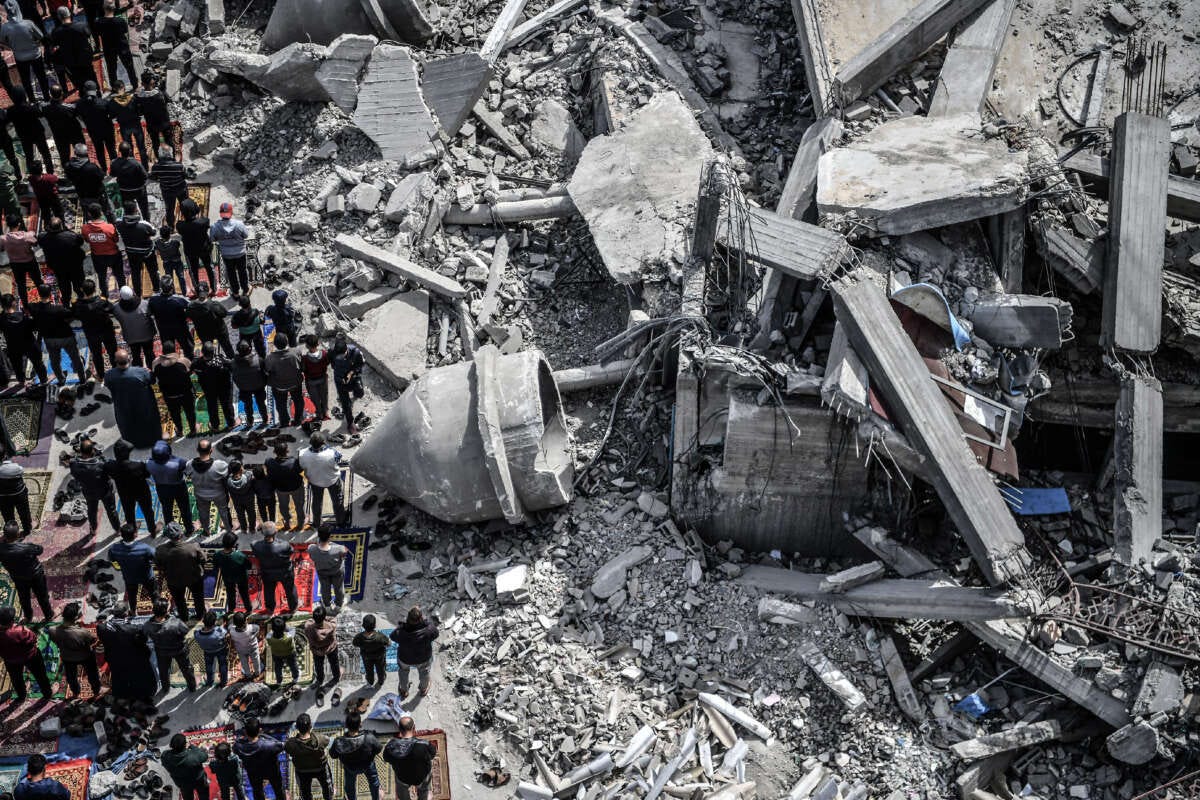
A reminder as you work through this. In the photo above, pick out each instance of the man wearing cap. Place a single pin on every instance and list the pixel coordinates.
(136, 410)
(172, 181)
(181, 565)
(93, 110)
(170, 315)
(231, 234)
(137, 326)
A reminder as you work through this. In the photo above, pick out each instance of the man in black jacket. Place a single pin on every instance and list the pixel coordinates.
(124, 111)
(113, 31)
(88, 469)
(88, 177)
(173, 374)
(197, 243)
(21, 340)
(213, 371)
(71, 47)
(64, 251)
(181, 565)
(152, 104)
(93, 110)
(170, 637)
(411, 760)
(132, 480)
(26, 120)
(53, 321)
(138, 237)
(95, 313)
(64, 125)
(208, 318)
(14, 495)
(275, 566)
(21, 561)
(170, 316)
(131, 177)
(172, 181)
(356, 749)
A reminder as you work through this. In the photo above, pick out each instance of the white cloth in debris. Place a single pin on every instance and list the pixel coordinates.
(389, 707)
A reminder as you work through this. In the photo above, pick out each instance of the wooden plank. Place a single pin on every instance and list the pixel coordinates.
(899, 45)
(533, 26)
(356, 247)
(499, 35)
(966, 77)
(1132, 312)
(894, 598)
(917, 405)
(1138, 455)
(1183, 194)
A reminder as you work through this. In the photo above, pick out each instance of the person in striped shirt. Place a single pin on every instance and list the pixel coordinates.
(172, 181)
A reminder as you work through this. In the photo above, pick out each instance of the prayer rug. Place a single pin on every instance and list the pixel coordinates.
(196, 655)
(19, 734)
(305, 574)
(356, 541)
(73, 774)
(207, 739)
(54, 670)
(23, 418)
(40, 457)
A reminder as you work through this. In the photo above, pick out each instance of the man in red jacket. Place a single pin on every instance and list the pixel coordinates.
(19, 651)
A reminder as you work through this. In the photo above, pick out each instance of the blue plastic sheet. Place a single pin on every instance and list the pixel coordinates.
(933, 310)
(972, 705)
(1038, 502)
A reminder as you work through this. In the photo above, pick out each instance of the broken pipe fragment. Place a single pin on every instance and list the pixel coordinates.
(475, 441)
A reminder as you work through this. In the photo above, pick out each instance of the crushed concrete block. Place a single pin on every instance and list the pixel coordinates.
(858, 575)
(1161, 691)
(391, 110)
(510, 584)
(364, 277)
(1135, 743)
(326, 152)
(1122, 16)
(304, 222)
(392, 337)
(636, 188)
(363, 198)
(611, 575)
(918, 173)
(171, 84)
(216, 16)
(292, 74)
(335, 205)
(330, 324)
(356, 306)
(409, 201)
(552, 132)
(251, 66)
(343, 66)
(207, 140)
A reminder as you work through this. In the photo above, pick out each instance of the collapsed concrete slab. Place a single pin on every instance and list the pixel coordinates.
(636, 187)
(356, 247)
(916, 173)
(1020, 320)
(452, 85)
(430, 448)
(356, 306)
(392, 337)
(292, 73)
(391, 109)
(343, 65)
(553, 132)
(966, 76)
(1137, 454)
(322, 21)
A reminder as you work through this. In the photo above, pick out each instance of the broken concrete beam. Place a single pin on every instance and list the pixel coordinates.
(636, 188)
(905, 560)
(853, 577)
(356, 306)
(344, 61)
(966, 76)
(452, 85)
(980, 774)
(800, 189)
(216, 16)
(1010, 640)
(1183, 194)
(322, 21)
(356, 247)
(899, 45)
(391, 109)
(392, 337)
(906, 698)
(556, 207)
(1007, 234)
(1021, 320)
(830, 675)
(1016, 738)
(493, 122)
(668, 65)
(535, 24)
(844, 387)
(490, 302)
(576, 379)
(931, 598)
(916, 173)
(917, 405)
(429, 448)
(611, 576)
(497, 37)
(1138, 455)
(724, 707)
(1132, 318)
(207, 140)
(793, 247)
(1079, 261)
(780, 612)
(409, 201)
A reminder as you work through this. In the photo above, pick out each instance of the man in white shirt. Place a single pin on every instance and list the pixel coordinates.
(320, 465)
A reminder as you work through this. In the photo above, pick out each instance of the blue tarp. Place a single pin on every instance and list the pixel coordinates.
(1037, 502)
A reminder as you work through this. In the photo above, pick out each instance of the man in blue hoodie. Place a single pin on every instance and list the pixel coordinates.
(284, 315)
(36, 786)
(168, 470)
(136, 560)
(259, 754)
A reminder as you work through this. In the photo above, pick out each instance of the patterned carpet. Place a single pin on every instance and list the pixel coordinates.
(19, 735)
(73, 774)
(303, 661)
(356, 540)
(23, 418)
(304, 580)
(54, 670)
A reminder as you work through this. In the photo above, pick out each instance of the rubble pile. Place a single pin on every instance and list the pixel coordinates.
(854, 344)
